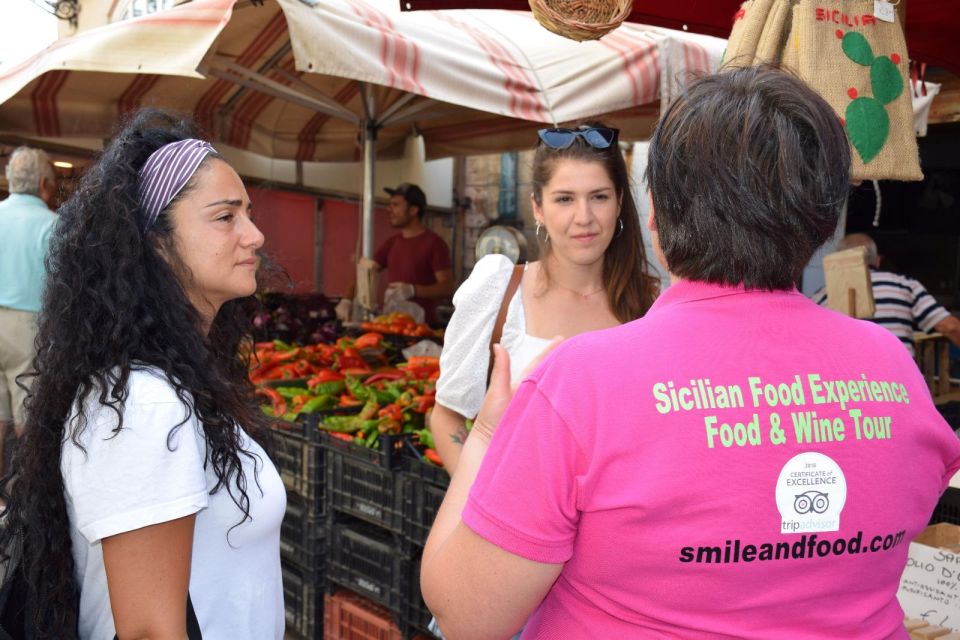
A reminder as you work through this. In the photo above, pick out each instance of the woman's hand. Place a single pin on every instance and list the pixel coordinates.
(502, 388)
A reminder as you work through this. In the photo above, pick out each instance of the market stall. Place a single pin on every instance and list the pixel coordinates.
(348, 81)
(363, 479)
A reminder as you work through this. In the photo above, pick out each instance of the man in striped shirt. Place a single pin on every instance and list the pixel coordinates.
(903, 305)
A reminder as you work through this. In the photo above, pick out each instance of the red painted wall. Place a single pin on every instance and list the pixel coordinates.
(341, 225)
(287, 221)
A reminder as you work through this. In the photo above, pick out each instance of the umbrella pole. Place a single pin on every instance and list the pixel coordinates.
(369, 166)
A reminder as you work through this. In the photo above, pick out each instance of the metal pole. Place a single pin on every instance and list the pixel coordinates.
(369, 167)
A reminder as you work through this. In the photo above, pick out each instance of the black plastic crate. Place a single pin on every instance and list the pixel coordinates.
(362, 482)
(948, 509)
(303, 592)
(415, 617)
(412, 461)
(299, 460)
(302, 534)
(369, 561)
(421, 501)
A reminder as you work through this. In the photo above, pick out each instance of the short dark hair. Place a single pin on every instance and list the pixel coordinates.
(748, 171)
(413, 194)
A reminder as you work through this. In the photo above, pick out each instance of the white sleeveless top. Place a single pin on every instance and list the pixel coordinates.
(466, 343)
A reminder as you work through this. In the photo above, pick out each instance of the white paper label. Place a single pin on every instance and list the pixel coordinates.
(810, 494)
(884, 11)
(930, 586)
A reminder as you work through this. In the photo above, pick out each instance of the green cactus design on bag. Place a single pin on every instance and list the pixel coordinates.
(867, 122)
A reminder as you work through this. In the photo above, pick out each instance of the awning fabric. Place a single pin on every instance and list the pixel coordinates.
(298, 79)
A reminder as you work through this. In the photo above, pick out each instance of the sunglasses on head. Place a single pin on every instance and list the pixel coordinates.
(596, 137)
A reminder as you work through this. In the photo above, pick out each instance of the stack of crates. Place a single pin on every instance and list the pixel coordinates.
(423, 487)
(299, 458)
(380, 505)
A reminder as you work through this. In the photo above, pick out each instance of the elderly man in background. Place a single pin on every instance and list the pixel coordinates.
(25, 225)
(903, 305)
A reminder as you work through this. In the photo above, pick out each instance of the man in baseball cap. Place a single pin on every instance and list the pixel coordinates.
(416, 260)
(411, 193)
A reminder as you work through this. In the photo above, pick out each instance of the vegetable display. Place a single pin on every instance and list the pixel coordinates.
(358, 395)
(306, 318)
(398, 323)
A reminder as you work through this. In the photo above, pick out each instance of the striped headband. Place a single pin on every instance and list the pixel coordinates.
(166, 172)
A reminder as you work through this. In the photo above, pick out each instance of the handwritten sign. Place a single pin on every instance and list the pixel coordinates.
(930, 585)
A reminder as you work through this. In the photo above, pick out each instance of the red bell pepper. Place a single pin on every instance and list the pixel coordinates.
(369, 340)
(385, 376)
(433, 457)
(391, 411)
(279, 404)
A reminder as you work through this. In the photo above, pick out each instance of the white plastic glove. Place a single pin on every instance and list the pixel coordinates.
(344, 309)
(401, 290)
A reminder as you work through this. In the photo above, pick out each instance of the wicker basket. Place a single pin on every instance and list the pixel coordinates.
(581, 19)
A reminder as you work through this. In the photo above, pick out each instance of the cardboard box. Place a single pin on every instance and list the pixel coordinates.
(848, 282)
(368, 283)
(930, 585)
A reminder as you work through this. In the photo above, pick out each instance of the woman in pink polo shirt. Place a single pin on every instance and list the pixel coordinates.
(739, 463)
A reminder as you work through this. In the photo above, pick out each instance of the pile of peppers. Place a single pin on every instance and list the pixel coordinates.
(403, 324)
(374, 398)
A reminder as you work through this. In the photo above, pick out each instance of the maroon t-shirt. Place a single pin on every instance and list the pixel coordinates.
(415, 260)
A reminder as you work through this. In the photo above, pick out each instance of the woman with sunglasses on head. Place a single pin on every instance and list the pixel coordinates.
(705, 471)
(591, 275)
(146, 508)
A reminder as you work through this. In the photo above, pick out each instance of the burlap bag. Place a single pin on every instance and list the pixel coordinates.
(790, 58)
(774, 34)
(859, 64)
(747, 29)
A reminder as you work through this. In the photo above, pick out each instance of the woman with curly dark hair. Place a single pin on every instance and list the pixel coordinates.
(139, 486)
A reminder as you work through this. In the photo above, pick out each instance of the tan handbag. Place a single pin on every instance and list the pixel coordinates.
(770, 46)
(859, 65)
(790, 58)
(747, 27)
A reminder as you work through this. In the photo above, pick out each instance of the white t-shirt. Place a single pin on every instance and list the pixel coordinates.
(135, 478)
(465, 359)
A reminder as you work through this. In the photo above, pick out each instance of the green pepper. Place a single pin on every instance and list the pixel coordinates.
(426, 438)
(394, 390)
(372, 439)
(369, 409)
(358, 390)
(280, 345)
(342, 424)
(383, 397)
(405, 399)
(348, 424)
(291, 392)
(320, 403)
(332, 388)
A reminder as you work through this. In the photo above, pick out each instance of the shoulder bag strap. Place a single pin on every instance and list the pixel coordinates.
(512, 286)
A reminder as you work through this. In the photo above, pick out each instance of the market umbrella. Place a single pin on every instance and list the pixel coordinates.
(931, 28)
(348, 79)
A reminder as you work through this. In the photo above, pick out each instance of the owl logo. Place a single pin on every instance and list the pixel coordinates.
(811, 502)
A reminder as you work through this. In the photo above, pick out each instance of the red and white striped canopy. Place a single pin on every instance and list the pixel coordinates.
(298, 78)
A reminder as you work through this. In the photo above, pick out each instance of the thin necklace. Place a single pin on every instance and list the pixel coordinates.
(581, 295)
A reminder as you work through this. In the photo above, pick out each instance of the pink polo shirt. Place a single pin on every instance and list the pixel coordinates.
(733, 465)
